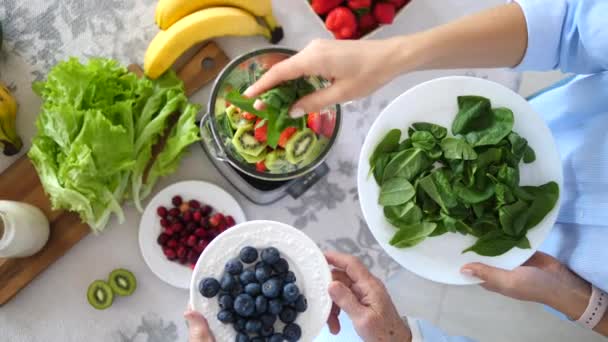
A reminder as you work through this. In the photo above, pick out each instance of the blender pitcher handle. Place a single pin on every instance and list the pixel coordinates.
(208, 140)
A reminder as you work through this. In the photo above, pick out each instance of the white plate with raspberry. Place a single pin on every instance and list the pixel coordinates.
(179, 223)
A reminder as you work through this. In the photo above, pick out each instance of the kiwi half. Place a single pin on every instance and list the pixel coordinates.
(234, 116)
(315, 151)
(253, 159)
(122, 282)
(299, 145)
(245, 142)
(100, 295)
(276, 162)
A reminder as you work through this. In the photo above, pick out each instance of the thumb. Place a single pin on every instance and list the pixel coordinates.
(345, 299)
(495, 279)
(198, 328)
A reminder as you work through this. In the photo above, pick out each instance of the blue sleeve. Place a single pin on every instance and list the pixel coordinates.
(430, 333)
(570, 35)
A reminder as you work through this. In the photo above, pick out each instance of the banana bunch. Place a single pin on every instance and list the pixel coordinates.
(8, 130)
(185, 23)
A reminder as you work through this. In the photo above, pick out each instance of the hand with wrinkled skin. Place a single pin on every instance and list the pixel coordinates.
(198, 328)
(365, 300)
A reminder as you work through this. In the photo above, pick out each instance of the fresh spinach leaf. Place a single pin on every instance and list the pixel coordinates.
(404, 145)
(504, 195)
(518, 144)
(455, 148)
(407, 164)
(545, 198)
(523, 243)
(484, 225)
(473, 114)
(440, 230)
(523, 194)
(500, 126)
(472, 195)
(378, 169)
(411, 235)
(435, 153)
(245, 104)
(405, 214)
(437, 186)
(508, 176)
(396, 191)
(389, 143)
(423, 140)
(513, 218)
(493, 243)
(529, 155)
(437, 131)
(488, 157)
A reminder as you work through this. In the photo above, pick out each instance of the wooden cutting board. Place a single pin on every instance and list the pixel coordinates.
(20, 183)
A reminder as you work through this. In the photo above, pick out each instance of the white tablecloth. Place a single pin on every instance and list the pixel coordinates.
(38, 33)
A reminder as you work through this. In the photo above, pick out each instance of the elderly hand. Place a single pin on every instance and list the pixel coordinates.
(198, 329)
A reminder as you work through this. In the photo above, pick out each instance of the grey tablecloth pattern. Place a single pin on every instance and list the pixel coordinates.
(38, 33)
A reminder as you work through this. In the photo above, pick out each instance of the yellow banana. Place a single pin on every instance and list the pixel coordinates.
(168, 12)
(8, 116)
(208, 23)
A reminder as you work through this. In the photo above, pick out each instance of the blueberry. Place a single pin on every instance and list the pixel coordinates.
(248, 276)
(253, 326)
(237, 289)
(292, 332)
(241, 338)
(263, 272)
(248, 254)
(268, 319)
(291, 292)
(301, 304)
(244, 305)
(276, 338)
(234, 266)
(225, 316)
(271, 288)
(253, 289)
(225, 301)
(289, 277)
(275, 306)
(261, 305)
(266, 331)
(281, 266)
(257, 339)
(288, 315)
(227, 282)
(270, 255)
(209, 287)
(239, 324)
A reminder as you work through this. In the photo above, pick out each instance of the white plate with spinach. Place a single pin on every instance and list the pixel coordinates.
(459, 170)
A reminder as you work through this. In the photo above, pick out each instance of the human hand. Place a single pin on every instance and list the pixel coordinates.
(198, 328)
(541, 279)
(365, 299)
(355, 68)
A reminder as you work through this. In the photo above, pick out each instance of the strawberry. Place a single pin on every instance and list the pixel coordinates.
(315, 122)
(324, 6)
(399, 3)
(248, 116)
(285, 135)
(367, 23)
(359, 4)
(342, 22)
(329, 125)
(216, 219)
(384, 12)
(261, 131)
(260, 166)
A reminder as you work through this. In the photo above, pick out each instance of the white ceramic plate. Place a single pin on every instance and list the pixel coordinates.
(149, 228)
(304, 257)
(440, 258)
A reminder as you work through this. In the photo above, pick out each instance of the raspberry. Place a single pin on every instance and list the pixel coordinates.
(162, 211)
(176, 201)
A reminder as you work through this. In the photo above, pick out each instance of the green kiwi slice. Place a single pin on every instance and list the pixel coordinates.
(299, 145)
(234, 117)
(253, 159)
(245, 142)
(317, 148)
(276, 162)
(122, 282)
(100, 295)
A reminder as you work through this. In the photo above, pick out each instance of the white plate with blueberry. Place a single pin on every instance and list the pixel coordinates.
(179, 223)
(262, 278)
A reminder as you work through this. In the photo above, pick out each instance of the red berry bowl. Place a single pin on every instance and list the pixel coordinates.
(171, 236)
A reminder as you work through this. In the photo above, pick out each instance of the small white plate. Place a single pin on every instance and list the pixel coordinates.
(149, 228)
(305, 260)
(440, 258)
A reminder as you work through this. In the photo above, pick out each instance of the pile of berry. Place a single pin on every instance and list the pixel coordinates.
(187, 229)
(252, 297)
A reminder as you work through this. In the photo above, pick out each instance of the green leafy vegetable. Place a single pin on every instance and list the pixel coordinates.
(513, 218)
(529, 155)
(493, 243)
(437, 186)
(396, 191)
(437, 131)
(405, 214)
(388, 144)
(473, 114)
(454, 148)
(412, 235)
(407, 164)
(500, 126)
(104, 135)
(545, 198)
(423, 140)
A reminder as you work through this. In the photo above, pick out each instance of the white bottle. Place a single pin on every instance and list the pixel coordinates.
(24, 229)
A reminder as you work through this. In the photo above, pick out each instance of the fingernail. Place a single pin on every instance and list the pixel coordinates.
(248, 92)
(297, 112)
(259, 105)
(467, 271)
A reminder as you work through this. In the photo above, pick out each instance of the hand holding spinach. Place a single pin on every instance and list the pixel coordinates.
(431, 184)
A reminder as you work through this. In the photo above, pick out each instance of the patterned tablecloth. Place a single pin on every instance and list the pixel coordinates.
(38, 33)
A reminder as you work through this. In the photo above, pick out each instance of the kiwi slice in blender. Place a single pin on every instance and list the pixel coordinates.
(100, 295)
(276, 162)
(234, 116)
(122, 282)
(245, 142)
(253, 159)
(317, 148)
(299, 145)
